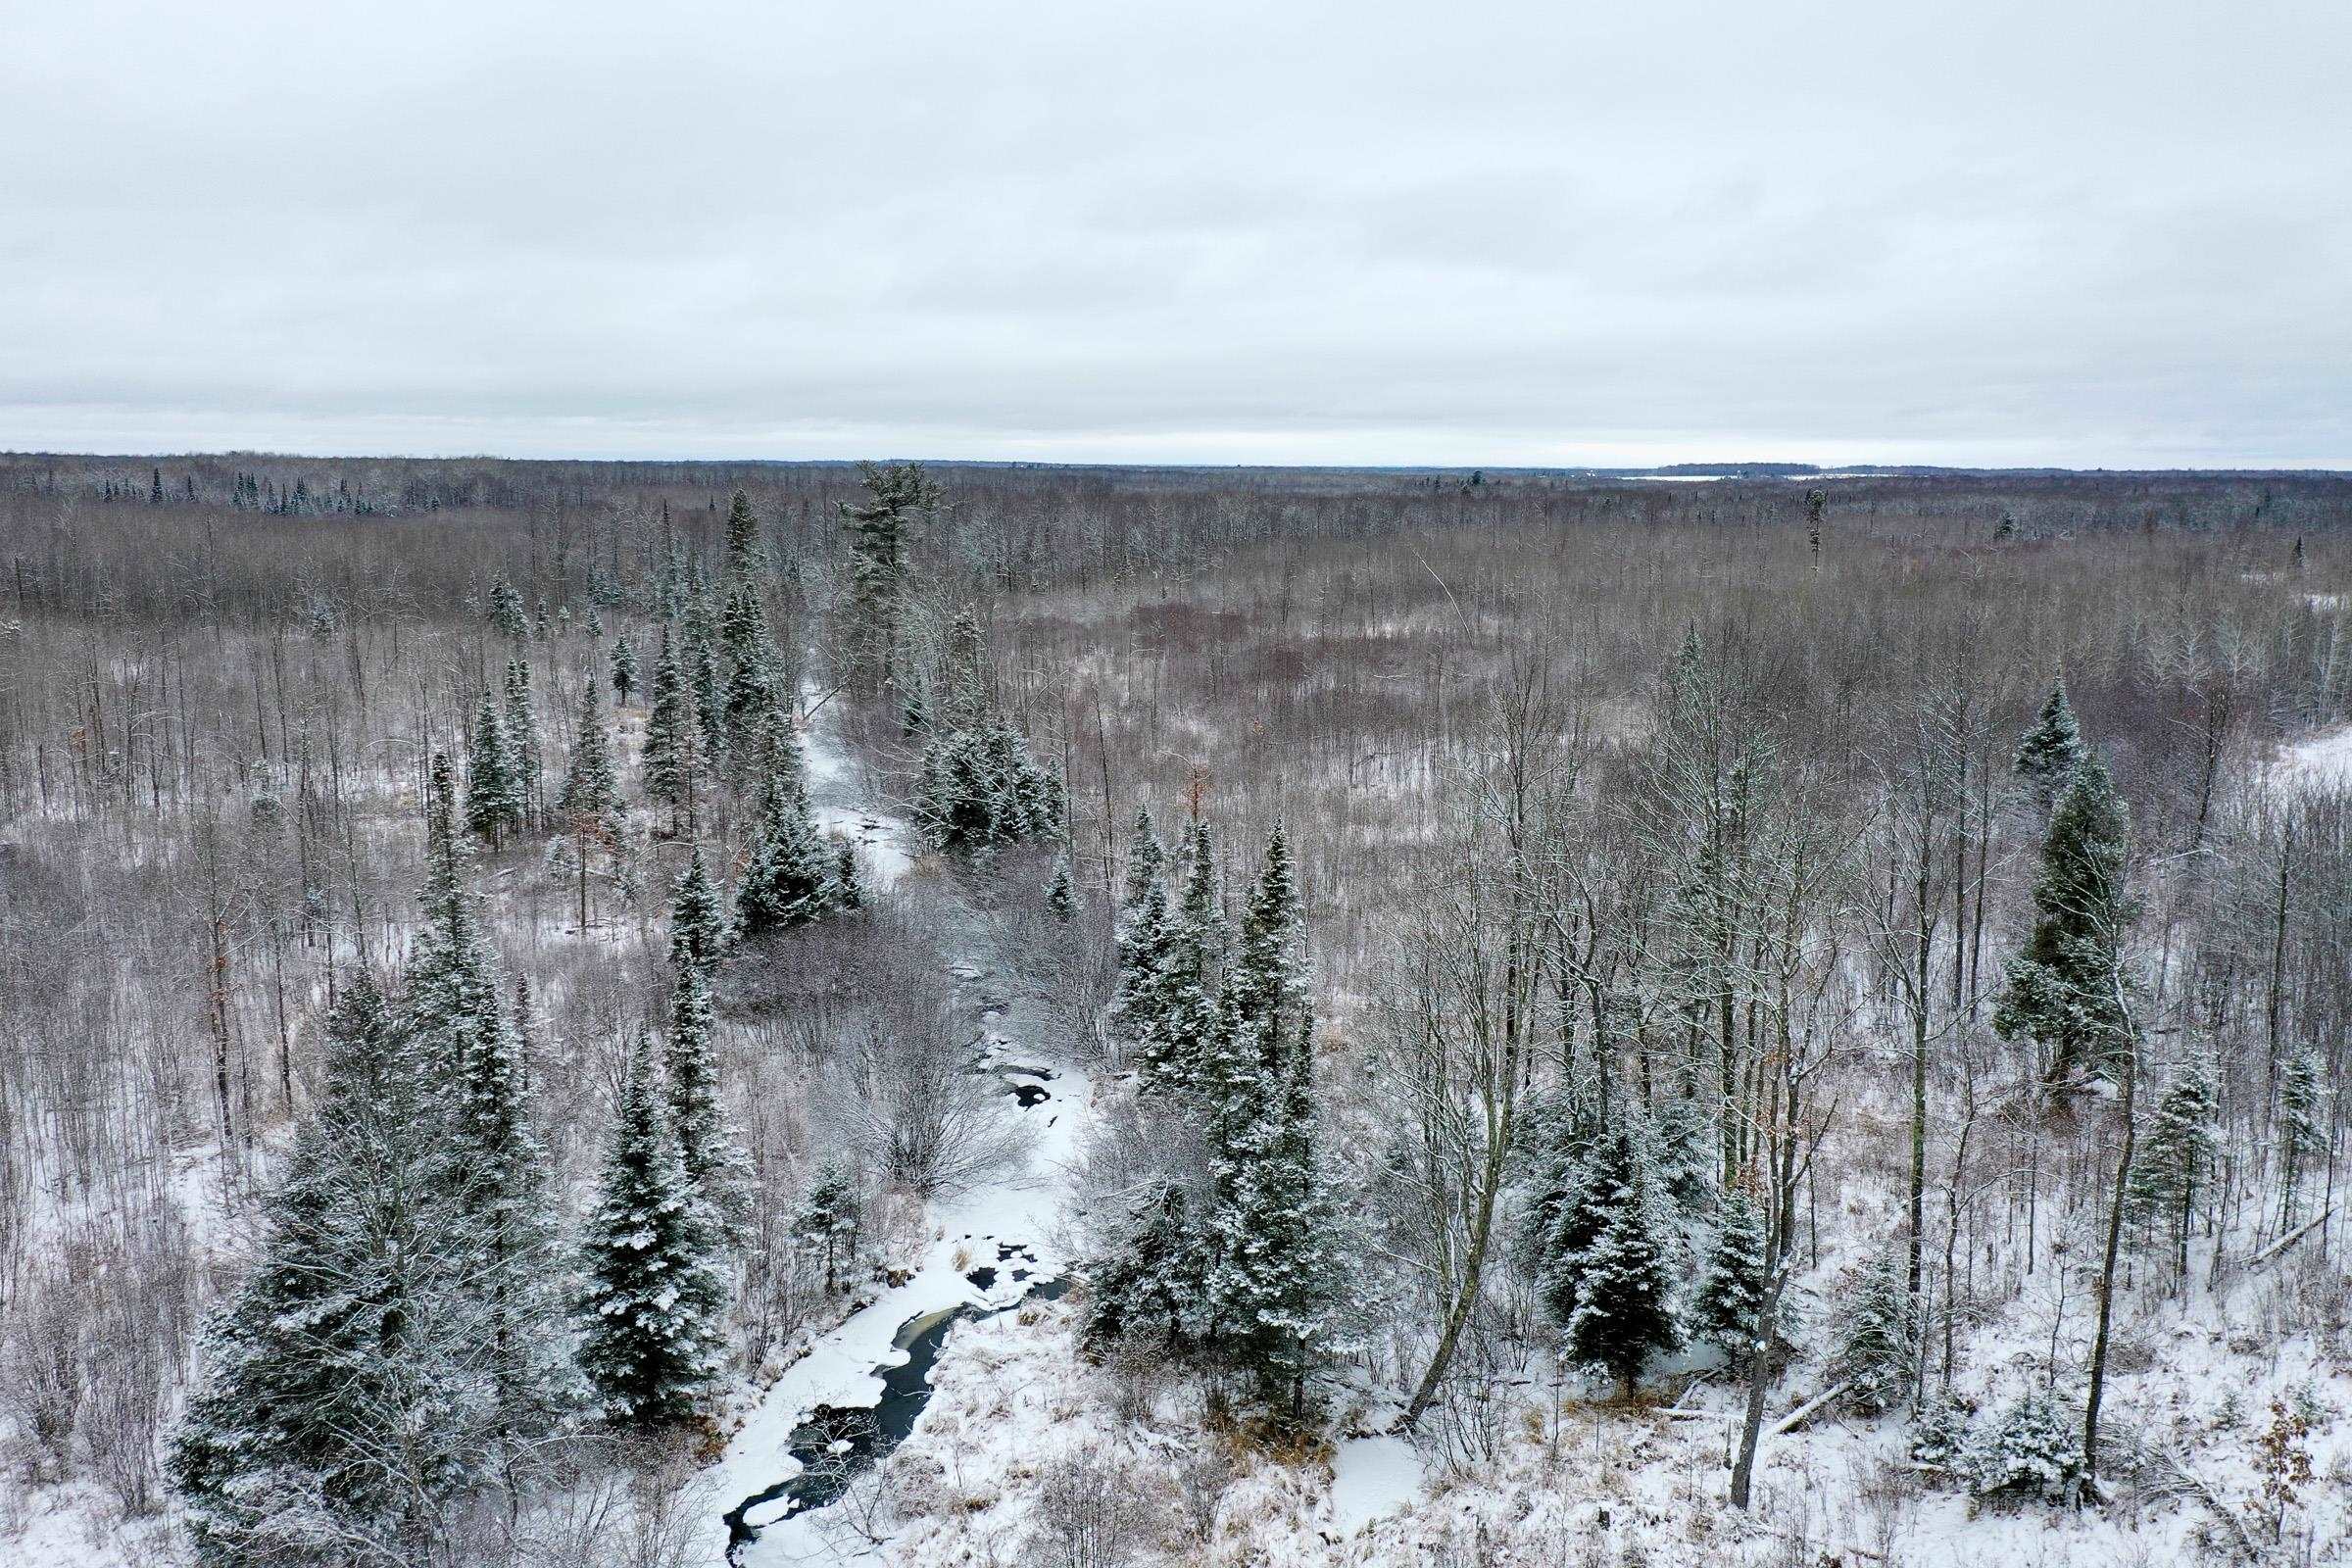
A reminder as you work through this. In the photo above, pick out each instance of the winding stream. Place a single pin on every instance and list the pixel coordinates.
(861, 1390)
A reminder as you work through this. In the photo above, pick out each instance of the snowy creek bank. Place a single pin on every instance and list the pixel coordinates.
(861, 1388)
(837, 1444)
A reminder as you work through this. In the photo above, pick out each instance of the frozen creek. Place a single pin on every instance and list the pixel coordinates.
(861, 1388)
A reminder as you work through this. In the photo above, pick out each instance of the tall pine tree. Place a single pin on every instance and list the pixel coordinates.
(2067, 988)
(1624, 1276)
(791, 876)
(2051, 751)
(498, 1166)
(710, 1150)
(673, 740)
(2179, 1149)
(494, 797)
(649, 1330)
(698, 924)
(342, 1397)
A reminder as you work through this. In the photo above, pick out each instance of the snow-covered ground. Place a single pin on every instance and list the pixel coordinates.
(2317, 762)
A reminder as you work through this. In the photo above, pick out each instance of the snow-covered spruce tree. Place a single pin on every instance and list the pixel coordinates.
(2049, 753)
(829, 1217)
(710, 1150)
(1941, 1437)
(1875, 1332)
(849, 888)
(753, 678)
(2178, 1148)
(1277, 1289)
(672, 738)
(790, 878)
(980, 786)
(1143, 941)
(624, 671)
(898, 501)
(2303, 1097)
(342, 1390)
(2067, 988)
(474, 1054)
(2034, 1450)
(590, 799)
(1187, 1033)
(494, 801)
(522, 736)
(1062, 897)
(507, 612)
(698, 924)
(1280, 1288)
(649, 1332)
(1624, 1276)
(1557, 1137)
(1269, 978)
(743, 536)
(704, 677)
(1147, 1288)
(1728, 1309)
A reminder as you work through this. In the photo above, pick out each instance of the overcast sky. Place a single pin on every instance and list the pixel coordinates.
(1538, 232)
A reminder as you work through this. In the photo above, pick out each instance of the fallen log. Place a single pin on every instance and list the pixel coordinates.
(1805, 1411)
(2289, 1239)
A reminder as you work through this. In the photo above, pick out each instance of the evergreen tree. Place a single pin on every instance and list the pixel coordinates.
(1150, 1284)
(1875, 1333)
(473, 1052)
(1624, 1281)
(1559, 1220)
(743, 536)
(2034, 1450)
(1061, 899)
(1729, 1309)
(624, 670)
(791, 876)
(848, 886)
(829, 1217)
(898, 501)
(1186, 1021)
(590, 799)
(506, 611)
(1269, 967)
(494, 800)
(2067, 988)
(341, 1398)
(522, 734)
(2177, 1150)
(649, 1342)
(2051, 751)
(704, 678)
(980, 788)
(1278, 1290)
(698, 925)
(1143, 939)
(672, 754)
(710, 1150)
(2303, 1097)
(751, 694)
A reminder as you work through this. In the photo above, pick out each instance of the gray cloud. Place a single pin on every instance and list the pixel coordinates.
(1998, 232)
